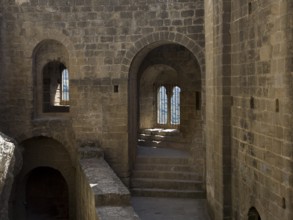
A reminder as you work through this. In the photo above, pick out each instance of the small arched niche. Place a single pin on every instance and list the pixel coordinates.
(51, 76)
(253, 214)
(46, 194)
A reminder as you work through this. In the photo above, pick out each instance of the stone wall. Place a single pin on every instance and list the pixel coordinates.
(85, 197)
(262, 111)
(249, 108)
(218, 101)
(100, 38)
(247, 105)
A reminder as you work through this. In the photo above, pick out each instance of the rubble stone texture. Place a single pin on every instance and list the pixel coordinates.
(9, 166)
(236, 53)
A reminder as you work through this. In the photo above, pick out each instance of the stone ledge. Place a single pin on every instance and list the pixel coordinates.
(106, 186)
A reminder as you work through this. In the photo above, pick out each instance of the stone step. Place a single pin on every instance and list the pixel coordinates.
(166, 184)
(160, 137)
(116, 213)
(161, 160)
(170, 138)
(168, 193)
(160, 172)
(164, 144)
(163, 132)
(162, 167)
(166, 175)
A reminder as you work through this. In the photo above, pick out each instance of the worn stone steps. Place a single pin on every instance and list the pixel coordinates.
(159, 174)
(168, 193)
(152, 173)
(160, 183)
(161, 160)
(162, 167)
(163, 143)
(161, 131)
(171, 138)
(162, 137)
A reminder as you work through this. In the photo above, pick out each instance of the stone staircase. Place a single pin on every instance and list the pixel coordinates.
(157, 137)
(165, 176)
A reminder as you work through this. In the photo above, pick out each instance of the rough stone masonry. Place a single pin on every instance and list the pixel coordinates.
(232, 58)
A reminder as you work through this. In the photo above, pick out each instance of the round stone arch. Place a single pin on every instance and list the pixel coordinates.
(54, 147)
(38, 152)
(129, 68)
(47, 55)
(34, 38)
(67, 143)
(143, 46)
(48, 41)
(41, 34)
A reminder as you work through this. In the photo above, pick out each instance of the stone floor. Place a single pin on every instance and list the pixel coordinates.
(149, 208)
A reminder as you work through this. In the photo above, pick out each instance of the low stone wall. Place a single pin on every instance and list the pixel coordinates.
(100, 191)
(10, 164)
(86, 198)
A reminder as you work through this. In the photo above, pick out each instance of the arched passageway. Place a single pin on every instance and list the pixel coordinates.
(46, 195)
(169, 81)
(45, 186)
(165, 100)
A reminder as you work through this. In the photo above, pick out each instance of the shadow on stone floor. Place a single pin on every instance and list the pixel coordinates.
(153, 208)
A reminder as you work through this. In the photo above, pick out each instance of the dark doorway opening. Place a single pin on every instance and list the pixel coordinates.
(46, 195)
(253, 214)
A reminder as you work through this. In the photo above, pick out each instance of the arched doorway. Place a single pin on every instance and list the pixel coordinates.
(132, 62)
(169, 80)
(45, 186)
(166, 122)
(46, 195)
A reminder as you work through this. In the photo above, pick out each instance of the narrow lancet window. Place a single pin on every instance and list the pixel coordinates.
(65, 87)
(162, 106)
(175, 106)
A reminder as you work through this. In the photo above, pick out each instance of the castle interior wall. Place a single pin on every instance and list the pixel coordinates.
(244, 54)
(249, 108)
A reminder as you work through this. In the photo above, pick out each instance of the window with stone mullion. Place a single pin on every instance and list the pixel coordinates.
(168, 105)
